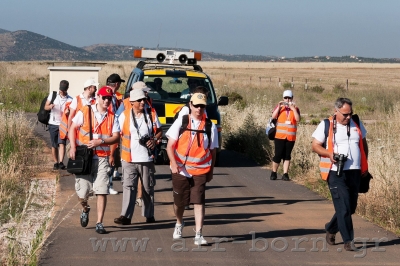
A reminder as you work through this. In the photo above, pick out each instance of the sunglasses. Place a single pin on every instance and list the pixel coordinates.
(140, 100)
(199, 105)
(345, 115)
(287, 98)
(106, 98)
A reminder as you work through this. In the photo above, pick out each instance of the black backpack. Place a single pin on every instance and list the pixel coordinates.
(185, 123)
(44, 115)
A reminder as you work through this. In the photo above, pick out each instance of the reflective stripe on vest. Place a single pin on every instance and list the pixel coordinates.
(189, 154)
(64, 123)
(325, 163)
(104, 131)
(126, 136)
(283, 130)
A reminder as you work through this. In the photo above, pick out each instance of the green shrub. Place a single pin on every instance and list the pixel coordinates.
(237, 99)
(251, 140)
(314, 121)
(317, 89)
(338, 89)
(287, 85)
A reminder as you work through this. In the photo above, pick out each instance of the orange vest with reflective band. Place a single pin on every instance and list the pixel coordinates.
(127, 105)
(284, 130)
(325, 163)
(126, 136)
(64, 118)
(64, 123)
(104, 131)
(190, 152)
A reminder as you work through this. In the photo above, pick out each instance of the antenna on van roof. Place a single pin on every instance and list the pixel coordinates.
(159, 33)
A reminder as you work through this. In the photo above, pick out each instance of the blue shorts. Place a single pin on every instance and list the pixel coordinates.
(55, 136)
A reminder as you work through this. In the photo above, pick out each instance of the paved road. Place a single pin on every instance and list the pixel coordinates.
(250, 220)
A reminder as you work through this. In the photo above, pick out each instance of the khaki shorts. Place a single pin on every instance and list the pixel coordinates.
(188, 190)
(98, 180)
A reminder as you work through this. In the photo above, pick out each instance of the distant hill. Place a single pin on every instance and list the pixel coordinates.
(24, 45)
(3, 31)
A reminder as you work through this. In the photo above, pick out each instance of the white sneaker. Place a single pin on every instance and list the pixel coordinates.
(113, 192)
(178, 231)
(199, 239)
(139, 202)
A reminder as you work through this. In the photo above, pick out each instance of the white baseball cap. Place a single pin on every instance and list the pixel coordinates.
(90, 82)
(135, 95)
(140, 85)
(288, 93)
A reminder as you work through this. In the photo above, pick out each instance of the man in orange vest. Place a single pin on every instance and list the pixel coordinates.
(343, 162)
(287, 115)
(138, 139)
(105, 132)
(57, 109)
(192, 156)
(114, 82)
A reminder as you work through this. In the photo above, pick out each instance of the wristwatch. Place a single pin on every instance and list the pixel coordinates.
(102, 141)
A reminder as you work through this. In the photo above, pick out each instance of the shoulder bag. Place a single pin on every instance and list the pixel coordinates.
(82, 164)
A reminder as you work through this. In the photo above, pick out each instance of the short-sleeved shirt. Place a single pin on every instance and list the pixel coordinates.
(173, 133)
(74, 103)
(78, 119)
(139, 153)
(58, 109)
(343, 144)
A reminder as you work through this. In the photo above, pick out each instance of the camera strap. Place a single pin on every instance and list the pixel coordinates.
(334, 134)
(136, 124)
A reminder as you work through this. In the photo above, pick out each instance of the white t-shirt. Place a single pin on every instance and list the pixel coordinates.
(58, 109)
(85, 102)
(139, 153)
(78, 120)
(173, 133)
(343, 144)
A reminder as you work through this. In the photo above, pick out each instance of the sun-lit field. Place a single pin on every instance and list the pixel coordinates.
(254, 90)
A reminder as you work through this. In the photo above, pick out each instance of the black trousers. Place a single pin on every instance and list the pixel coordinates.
(344, 191)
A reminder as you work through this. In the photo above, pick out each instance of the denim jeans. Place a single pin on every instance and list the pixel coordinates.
(344, 191)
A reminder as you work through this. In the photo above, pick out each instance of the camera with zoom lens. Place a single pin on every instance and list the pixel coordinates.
(340, 159)
(144, 139)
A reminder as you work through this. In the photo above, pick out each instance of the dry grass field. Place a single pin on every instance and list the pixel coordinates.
(254, 90)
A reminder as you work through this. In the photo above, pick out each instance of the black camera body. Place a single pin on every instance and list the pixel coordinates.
(340, 159)
(144, 139)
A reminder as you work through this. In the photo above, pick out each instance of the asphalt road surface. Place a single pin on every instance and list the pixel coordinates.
(250, 220)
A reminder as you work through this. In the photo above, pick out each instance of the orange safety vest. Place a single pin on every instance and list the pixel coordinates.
(119, 100)
(64, 118)
(64, 123)
(190, 152)
(104, 131)
(284, 130)
(325, 163)
(126, 137)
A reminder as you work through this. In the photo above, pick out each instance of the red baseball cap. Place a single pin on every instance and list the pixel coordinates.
(105, 91)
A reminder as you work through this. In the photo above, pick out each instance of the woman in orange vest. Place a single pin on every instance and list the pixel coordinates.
(287, 115)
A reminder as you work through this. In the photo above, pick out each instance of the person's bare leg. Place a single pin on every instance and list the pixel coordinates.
(61, 152)
(286, 165)
(54, 154)
(101, 207)
(275, 166)
(179, 214)
(199, 211)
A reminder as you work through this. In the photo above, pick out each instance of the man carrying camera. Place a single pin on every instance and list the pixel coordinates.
(105, 132)
(138, 141)
(343, 150)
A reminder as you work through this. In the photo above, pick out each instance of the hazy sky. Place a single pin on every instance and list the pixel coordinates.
(254, 27)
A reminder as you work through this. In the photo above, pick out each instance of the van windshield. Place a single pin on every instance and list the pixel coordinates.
(177, 89)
